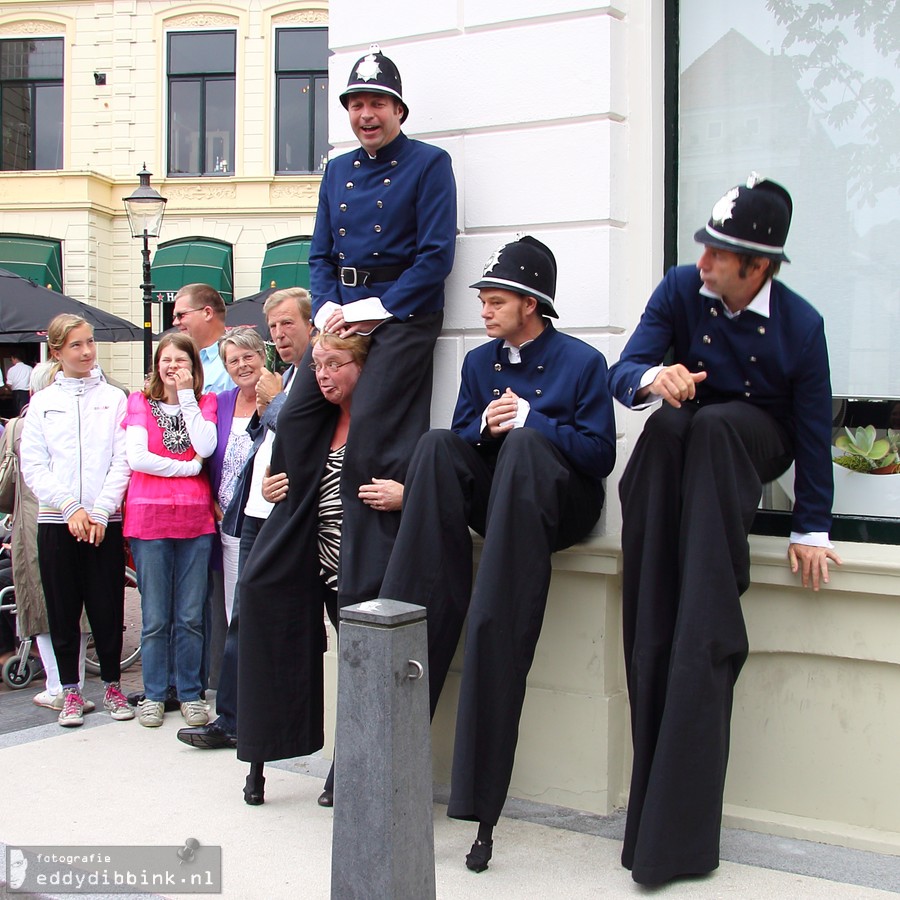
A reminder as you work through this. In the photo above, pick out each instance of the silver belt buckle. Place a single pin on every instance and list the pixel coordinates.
(349, 271)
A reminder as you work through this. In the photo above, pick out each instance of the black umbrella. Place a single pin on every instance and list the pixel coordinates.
(26, 310)
(249, 311)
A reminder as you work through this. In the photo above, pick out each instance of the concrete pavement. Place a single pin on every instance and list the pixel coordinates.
(118, 783)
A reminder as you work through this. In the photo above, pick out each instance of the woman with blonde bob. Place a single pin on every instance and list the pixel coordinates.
(73, 458)
(170, 429)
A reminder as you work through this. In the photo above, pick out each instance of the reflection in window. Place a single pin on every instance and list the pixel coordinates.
(31, 104)
(301, 99)
(201, 79)
(812, 101)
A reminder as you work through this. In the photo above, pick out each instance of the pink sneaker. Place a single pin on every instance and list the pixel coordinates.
(73, 709)
(115, 702)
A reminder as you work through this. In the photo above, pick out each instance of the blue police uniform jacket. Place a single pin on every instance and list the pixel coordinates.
(564, 381)
(398, 209)
(778, 363)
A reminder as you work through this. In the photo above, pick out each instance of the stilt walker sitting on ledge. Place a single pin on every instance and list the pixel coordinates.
(532, 438)
(748, 391)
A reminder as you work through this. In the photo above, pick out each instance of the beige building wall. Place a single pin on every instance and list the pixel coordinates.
(112, 130)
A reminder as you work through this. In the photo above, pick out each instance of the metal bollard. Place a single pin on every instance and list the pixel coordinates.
(383, 836)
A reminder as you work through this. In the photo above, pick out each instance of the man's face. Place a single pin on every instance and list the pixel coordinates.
(375, 119)
(720, 272)
(503, 313)
(188, 318)
(289, 330)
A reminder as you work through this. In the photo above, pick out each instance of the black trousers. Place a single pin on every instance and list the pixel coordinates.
(527, 501)
(391, 410)
(689, 495)
(77, 575)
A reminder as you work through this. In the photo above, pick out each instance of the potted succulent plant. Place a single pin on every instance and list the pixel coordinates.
(863, 451)
(857, 455)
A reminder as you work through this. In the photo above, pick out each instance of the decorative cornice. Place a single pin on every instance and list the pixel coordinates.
(307, 193)
(302, 17)
(200, 20)
(200, 193)
(32, 26)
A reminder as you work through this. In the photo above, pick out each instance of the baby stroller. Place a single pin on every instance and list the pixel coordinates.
(19, 670)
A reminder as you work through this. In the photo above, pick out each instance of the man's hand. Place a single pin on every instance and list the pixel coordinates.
(274, 487)
(812, 563)
(382, 494)
(268, 387)
(674, 384)
(501, 413)
(336, 324)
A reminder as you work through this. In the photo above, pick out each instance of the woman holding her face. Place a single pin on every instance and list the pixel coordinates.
(170, 429)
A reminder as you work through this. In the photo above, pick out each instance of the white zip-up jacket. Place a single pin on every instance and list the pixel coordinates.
(73, 449)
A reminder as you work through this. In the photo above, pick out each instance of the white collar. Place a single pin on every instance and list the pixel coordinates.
(515, 355)
(759, 304)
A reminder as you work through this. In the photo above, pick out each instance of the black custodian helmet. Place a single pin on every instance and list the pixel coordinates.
(525, 266)
(751, 218)
(374, 73)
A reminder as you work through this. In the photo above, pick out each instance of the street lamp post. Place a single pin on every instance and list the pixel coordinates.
(145, 209)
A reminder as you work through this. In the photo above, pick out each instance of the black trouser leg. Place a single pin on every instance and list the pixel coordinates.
(77, 575)
(692, 488)
(538, 504)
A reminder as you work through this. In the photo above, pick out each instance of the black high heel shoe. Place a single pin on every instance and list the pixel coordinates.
(326, 798)
(478, 857)
(254, 787)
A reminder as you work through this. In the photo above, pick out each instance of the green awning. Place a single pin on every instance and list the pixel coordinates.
(286, 264)
(197, 260)
(39, 259)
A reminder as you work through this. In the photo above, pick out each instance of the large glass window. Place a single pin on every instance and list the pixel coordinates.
(201, 77)
(807, 92)
(31, 104)
(301, 99)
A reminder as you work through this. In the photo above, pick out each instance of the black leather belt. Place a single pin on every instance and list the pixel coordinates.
(353, 277)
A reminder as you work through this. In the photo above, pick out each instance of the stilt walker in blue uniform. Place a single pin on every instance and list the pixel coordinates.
(382, 246)
(747, 393)
(532, 438)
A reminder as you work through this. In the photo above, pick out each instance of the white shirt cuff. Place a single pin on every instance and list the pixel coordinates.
(813, 539)
(646, 380)
(523, 407)
(365, 309)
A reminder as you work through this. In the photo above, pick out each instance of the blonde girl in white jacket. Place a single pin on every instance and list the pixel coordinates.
(73, 458)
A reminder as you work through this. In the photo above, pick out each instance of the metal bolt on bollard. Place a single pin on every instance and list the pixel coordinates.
(383, 834)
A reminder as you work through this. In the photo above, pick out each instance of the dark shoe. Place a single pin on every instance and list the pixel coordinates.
(207, 737)
(478, 857)
(171, 703)
(326, 798)
(254, 791)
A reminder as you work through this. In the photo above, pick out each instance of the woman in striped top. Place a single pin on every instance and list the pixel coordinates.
(337, 363)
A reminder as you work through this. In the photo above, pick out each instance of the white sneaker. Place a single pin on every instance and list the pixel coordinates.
(150, 713)
(56, 701)
(195, 712)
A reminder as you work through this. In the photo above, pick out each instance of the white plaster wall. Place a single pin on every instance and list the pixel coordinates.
(531, 101)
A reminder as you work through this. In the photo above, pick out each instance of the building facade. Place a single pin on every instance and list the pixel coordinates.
(606, 130)
(225, 103)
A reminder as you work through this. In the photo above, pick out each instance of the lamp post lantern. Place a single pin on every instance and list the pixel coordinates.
(145, 209)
